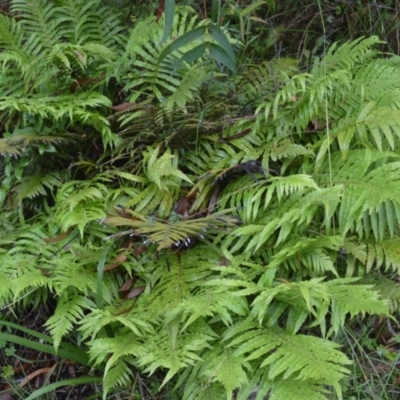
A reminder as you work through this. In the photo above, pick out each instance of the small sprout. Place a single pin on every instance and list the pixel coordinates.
(7, 371)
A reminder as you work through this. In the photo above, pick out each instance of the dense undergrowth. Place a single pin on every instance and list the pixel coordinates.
(180, 203)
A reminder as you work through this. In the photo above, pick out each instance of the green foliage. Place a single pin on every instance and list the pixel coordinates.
(249, 214)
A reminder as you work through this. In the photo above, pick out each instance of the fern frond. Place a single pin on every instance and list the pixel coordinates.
(226, 367)
(123, 345)
(302, 390)
(69, 310)
(348, 55)
(371, 255)
(119, 375)
(33, 186)
(182, 282)
(210, 303)
(8, 148)
(75, 192)
(30, 280)
(314, 251)
(17, 143)
(388, 290)
(168, 351)
(191, 81)
(41, 21)
(11, 35)
(167, 233)
(353, 299)
(302, 357)
(81, 215)
(297, 210)
(97, 319)
(88, 22)
(376, 193)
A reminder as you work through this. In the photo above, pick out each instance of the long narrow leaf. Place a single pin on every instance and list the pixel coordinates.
(68, 382)
(77, 357)
(185, 39)
(169, 12)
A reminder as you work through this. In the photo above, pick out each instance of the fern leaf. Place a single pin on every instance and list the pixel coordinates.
(225, 367)
(119, 375)
(10, 34)
(353, 300)
(33, 186)
(300, 390)
(40, 20)
(33, 280)
(69, 310)
(301, 357)
(164, 351)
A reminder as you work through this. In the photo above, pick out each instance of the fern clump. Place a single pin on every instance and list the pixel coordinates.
(185, 218)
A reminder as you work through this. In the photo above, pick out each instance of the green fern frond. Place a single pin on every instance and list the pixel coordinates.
(297, 210)
(371, 255)
(191, 81)
(80, 203)
(162, 70)
(98, 319)
(302, 390)
(69, 310)
(182, 282)
(81, 215)
(299, 356)
(88, 22)
(164, 166)
(73, 107)
(17, 143)
(69, 265)
(119, 375)
(41, 21)
(123, 345)
(353, 299)
(163, 183)
(376, 193)
(348, 55)
(314, 251)
(168, 351)
(263, 79)
(75, 192)
(10, 34)
(226, 367)
(5, 292)
(8, 148)
(388, 290)
(167, 233)
(33, 186)
(210, 303)
(30, 280)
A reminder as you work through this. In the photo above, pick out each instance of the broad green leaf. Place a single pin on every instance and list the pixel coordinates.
(222, 40)
(185, 39)
(193, 54)
(222, 57)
